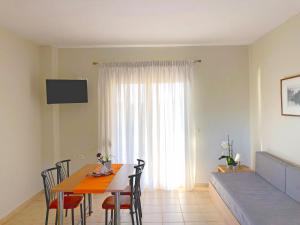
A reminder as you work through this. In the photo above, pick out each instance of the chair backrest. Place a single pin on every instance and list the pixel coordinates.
(141, 165)
(134, 183)
(50, 179)
(63, 169)
(140, 161)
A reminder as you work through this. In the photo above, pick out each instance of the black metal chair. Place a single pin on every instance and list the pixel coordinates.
(51, 179)
(127, 191)
(64, 173)
(64, 169)
(140, 167)
(126, 201)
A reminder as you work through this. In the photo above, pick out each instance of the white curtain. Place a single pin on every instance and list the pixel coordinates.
(145, 112)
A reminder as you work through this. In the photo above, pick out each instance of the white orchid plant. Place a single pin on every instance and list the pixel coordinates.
(106, 156)
(227, 146)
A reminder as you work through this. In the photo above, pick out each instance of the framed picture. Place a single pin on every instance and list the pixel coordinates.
(290, 96)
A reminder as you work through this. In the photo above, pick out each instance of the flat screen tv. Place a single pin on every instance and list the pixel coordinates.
(66, 91)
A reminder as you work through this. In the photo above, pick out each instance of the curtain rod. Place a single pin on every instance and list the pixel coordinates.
(194, 61)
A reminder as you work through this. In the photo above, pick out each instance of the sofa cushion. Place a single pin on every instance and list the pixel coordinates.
(293, 182)
(254, 201)
(271, 169)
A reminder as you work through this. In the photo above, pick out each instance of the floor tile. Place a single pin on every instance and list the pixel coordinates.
(159, 208)
(172, 217)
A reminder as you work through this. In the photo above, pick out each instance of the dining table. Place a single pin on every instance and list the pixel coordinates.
(82, 182)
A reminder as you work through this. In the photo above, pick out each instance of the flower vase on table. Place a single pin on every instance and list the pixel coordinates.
(105, 162)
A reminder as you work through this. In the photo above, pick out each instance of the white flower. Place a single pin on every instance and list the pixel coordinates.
(225, 145)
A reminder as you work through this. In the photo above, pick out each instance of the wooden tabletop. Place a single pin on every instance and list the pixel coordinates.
(69, 184)
(118, 183)
(238, 169)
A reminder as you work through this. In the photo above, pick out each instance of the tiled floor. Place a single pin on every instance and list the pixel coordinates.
(159, 208)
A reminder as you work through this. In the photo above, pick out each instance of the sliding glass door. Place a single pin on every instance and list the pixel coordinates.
(147, 106)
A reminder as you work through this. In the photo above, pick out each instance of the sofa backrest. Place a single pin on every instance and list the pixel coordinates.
(283, 175)
(293, 182)
(272, 169)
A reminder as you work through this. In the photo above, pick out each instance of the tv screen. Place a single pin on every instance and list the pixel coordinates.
(66, 91)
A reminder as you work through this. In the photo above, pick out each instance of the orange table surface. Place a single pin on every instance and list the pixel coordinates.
(92, 184)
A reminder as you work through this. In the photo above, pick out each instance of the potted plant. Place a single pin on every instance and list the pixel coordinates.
(227, 146)
(105, 158)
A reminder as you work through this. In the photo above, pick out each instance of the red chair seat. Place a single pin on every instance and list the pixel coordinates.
(109, 202)
(70, 202)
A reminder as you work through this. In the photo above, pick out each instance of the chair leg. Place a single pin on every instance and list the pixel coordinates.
(47, 215)
(72, 212)
(138, 222)
(131, 215)
(106, 215)
(112, 216)
(140, 207)
(56, 217)
(81, 215)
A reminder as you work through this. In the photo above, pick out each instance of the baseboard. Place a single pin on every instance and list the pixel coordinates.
(201, 185)
(19, 208)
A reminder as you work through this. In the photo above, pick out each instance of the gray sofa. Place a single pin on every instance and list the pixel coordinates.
(268, 196)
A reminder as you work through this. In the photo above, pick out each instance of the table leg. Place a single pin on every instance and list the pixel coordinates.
(60, 208)
(117, 219)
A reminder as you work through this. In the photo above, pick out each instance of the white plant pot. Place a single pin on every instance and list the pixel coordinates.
(108, 165)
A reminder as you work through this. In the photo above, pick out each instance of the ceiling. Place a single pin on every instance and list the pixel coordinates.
(88, 23)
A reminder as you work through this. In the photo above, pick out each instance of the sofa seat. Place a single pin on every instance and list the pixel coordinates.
(254, 201)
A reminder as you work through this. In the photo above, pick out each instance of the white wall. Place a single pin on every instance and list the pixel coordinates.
(276, 56)
(50, 113)
(222, 99)
(20, 121)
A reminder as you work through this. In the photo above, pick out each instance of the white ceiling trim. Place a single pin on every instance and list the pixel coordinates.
(150, 45)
